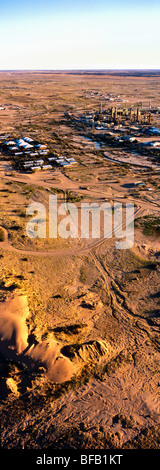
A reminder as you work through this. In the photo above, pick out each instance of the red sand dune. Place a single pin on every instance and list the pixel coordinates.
(13, 327)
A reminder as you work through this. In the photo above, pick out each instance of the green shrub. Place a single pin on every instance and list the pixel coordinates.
(150, 225)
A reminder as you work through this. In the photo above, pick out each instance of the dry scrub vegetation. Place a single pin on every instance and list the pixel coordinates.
(79, 324)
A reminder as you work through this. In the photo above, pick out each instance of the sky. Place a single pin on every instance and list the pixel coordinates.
(86, 34)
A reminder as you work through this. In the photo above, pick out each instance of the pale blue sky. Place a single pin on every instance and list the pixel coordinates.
(108, 34)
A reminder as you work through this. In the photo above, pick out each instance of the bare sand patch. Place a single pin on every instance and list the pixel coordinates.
(13, 315)
(59, 368)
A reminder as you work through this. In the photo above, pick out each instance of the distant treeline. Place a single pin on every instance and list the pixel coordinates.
(117, 73)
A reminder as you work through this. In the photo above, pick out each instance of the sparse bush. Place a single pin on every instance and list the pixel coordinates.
(126, 421)
(15, 227)
(20, 213)
(149, 224)
(83, 275)
(2, 236)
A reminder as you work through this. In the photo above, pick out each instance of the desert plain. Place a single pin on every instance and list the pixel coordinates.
(79, 318)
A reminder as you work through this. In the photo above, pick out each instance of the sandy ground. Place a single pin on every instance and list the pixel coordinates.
(79, 320)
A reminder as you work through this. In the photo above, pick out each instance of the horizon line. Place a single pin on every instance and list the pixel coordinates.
(83, 70)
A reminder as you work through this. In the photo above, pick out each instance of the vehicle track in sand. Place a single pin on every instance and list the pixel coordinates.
(6, 245)
(67, 184)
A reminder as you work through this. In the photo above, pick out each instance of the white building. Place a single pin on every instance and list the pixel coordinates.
(46, 167)
(40, 162)
(28, 139)
(11, 142)
(41, 146)
(38, 167)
